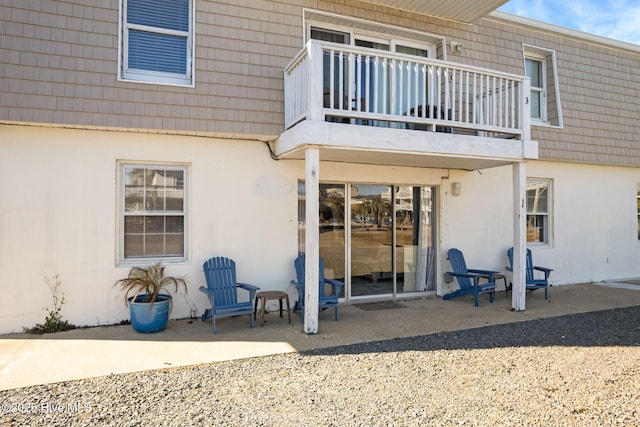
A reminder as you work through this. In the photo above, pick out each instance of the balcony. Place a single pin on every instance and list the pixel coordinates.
(385, 108)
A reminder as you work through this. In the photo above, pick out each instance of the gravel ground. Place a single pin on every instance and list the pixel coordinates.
(576, 370)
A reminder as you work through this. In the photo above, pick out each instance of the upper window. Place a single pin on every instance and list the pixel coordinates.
(153, 210)
(536, 71)
(157, 41)
(544, 100)
(538, 210)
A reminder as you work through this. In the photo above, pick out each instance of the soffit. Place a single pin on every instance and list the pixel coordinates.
(455, 10)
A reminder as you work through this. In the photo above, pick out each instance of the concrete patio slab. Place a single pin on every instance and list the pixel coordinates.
(27, 360)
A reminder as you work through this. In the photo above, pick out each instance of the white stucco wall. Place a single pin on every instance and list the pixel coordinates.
(594, 231)
(59, 216)
(478, 221)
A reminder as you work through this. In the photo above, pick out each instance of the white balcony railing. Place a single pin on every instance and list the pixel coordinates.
(347, 84)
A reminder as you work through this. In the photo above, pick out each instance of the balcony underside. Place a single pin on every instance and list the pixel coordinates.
(455, 10)
(339, 142)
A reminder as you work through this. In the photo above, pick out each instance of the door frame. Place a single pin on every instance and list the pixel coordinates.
(348, 240)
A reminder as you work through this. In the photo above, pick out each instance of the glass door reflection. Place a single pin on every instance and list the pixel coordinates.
(414, 224)
(332, 231)
(371, 240)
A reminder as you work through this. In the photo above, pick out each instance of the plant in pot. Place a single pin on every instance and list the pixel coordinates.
(151, 302)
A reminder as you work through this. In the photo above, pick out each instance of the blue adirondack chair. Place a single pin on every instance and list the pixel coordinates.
(531, 282)
(324, 300)
(469, 279)
(222, 290)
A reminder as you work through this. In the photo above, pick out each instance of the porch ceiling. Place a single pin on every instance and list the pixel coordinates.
(454, 10)
(372, 157)
(400, 147)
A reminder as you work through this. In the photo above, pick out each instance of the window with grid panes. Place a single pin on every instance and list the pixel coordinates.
(538, 210)
(153, 212)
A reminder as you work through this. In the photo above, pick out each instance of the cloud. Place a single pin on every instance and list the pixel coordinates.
(616, 19)
(536, 9)
(621, 25)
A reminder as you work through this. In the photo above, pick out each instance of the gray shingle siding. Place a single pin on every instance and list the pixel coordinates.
(58, 64)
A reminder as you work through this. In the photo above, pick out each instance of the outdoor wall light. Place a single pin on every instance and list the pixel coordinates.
(456, 188)
(456, 47)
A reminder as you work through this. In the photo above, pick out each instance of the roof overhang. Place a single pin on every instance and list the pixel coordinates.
(400, 147)
(545, 27)
(454, 10)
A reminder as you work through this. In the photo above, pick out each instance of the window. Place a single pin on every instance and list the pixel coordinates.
(538, 210)
(329, 35)
(153, 212)
(536, 71)
(544, 99)
(156, 42)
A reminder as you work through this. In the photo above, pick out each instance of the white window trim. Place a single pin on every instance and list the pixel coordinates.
(548, 237)
(370, 30)
(541, 90)
(541, 54)
(120, 194)
(150, 77)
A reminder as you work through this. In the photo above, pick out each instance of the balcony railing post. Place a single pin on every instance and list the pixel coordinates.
(314, 82)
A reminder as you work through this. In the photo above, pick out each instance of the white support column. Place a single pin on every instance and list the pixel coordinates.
(519, 236)
(312, 240)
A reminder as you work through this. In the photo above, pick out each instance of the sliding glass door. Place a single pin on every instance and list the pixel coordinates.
(378, 239)
(369, 81)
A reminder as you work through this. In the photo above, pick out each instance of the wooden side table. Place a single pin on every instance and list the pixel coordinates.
(264, 296)
(501, 276)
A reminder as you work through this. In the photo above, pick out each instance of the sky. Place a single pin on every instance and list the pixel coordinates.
(616, 19)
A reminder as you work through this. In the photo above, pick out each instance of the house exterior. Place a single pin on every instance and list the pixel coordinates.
(376, 135)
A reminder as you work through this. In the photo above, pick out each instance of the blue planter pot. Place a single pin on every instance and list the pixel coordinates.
(146, 318)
